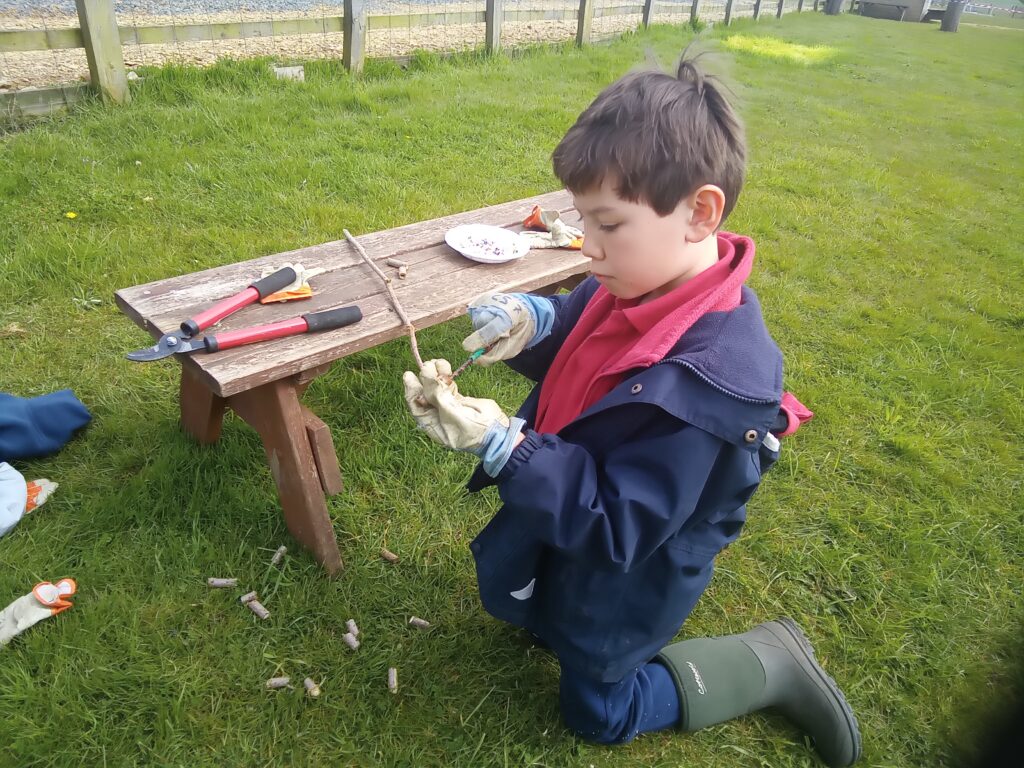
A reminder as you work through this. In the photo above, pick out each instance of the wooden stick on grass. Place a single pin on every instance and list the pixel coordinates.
(279, 555)
(394, 297)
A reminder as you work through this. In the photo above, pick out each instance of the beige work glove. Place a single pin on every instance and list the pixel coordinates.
(504, 323)
(469, 424)
(45, 600)
(559, 235)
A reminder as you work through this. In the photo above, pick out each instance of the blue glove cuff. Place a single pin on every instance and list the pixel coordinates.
(498, 444)
(543, 312)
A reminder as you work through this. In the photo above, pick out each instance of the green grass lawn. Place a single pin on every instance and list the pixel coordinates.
(884, 194)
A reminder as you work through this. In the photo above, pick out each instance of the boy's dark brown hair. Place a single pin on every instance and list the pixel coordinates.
(661, 137)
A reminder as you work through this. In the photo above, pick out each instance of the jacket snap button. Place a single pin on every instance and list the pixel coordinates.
(636, 388)
(750, 435)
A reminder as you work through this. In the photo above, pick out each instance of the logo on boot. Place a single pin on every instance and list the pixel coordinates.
(697, 678)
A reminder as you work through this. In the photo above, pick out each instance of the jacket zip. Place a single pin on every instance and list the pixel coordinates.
(712, 384)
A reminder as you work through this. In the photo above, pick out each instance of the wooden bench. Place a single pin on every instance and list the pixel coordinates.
(860, 5)
(263, 382)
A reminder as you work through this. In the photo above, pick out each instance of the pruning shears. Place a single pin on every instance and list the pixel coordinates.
(184, 341)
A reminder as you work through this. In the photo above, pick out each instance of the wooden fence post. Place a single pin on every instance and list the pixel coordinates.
(694, 12)
(778, 9)
(103, 49)
(584, 21)
(728, 13)
(354, 27)
(951, 18)
(494, 14)
(757, 9)
(648, 12)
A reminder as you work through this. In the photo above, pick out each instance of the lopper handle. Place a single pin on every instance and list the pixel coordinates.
(314, 321)
(333, 318)
(258, 290)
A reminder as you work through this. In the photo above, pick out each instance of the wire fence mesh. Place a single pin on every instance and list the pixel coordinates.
(200, 32)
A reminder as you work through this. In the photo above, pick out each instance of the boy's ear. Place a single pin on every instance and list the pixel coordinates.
(706, 206)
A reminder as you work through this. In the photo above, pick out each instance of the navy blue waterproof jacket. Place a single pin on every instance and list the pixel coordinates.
(609, 529)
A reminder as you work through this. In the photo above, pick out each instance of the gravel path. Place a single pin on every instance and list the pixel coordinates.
(47, 68)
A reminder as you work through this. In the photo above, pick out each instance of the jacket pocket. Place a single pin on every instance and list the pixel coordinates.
(508, 562)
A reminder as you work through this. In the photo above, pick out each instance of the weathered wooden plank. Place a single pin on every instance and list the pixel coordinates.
(427, 20)
(618, 10)
(16, 40)
(183, 293)
(440, 284)
(355, 285)
(184, 33)
(541, 14)
(41, 101)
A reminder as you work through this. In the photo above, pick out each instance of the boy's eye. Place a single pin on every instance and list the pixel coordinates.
(608, 227)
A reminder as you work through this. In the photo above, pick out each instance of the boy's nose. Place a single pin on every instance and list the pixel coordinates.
(591, 249)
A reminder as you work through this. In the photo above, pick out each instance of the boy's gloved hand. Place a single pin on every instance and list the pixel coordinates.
(511, 322)
(468, 424)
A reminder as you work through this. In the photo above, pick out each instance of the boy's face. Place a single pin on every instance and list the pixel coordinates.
(634, 252)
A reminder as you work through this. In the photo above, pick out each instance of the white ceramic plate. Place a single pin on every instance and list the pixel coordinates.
(486, 244)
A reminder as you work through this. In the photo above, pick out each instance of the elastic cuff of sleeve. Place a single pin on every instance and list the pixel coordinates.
(532, 442)
(543, 313)
(498, 445)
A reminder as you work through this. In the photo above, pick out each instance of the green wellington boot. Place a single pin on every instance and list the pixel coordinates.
(772, 665)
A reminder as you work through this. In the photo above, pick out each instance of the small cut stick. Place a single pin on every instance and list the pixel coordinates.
(312, 689)
(393, 679)
(350, 641)
(352, 628)
(388, 555)
(403, 271)
(257, 607)
(248, 597)
(396, 263)
(221, 583)
(275, 683)
(419, 623)
(279, 555)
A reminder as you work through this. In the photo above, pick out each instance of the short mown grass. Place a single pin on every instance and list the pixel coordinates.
(884, 194)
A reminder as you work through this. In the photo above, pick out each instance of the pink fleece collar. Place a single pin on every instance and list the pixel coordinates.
(668, 317)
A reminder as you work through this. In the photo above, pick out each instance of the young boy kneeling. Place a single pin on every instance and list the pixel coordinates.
(628, 468)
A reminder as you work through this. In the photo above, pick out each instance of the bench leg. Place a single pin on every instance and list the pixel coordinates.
(274, 411)
(202, 412)
(326, 458)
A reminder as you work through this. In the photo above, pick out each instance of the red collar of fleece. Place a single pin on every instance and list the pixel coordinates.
(658, 326)
(664, 320)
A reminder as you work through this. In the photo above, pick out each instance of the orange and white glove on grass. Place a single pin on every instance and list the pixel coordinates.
(45, 600)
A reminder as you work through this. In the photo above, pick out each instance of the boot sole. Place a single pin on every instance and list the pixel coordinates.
(804, 645)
